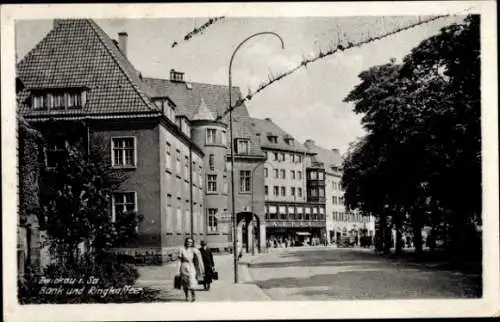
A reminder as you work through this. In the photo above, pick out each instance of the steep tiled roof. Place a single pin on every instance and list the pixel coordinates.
(203, 112)
(77, 53)
(242, 128)
(268, 128)
(187, 96)
(329, 158)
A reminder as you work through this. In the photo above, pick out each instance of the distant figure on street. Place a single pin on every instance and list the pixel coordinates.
(208, 263)
(190, 267)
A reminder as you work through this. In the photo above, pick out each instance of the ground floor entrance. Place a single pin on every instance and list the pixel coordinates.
(295, 237)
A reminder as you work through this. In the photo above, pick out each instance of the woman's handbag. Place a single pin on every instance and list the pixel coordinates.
(215, 275)
(177, 282)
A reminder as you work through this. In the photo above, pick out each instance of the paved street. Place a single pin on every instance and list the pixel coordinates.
(346, 274)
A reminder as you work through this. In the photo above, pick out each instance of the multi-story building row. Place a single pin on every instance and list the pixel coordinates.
(166, 135)
(294, 190)
(340, 222)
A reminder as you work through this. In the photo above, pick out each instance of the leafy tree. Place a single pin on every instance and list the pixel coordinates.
(422, 152)
(76, 202)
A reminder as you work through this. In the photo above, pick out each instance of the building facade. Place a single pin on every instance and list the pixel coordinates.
(294, 208)
(77, 73)
(203, 105)
(340, 222)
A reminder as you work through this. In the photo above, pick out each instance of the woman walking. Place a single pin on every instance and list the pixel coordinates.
(190, 268)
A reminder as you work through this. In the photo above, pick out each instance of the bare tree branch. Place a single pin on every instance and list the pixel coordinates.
(198, 31)
(341, 46)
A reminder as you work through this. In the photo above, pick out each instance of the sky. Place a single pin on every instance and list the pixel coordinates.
(307, 104)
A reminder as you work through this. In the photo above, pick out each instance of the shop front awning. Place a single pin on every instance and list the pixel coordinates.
(303, 233)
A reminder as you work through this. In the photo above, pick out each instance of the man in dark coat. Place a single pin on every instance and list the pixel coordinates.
(208, 263)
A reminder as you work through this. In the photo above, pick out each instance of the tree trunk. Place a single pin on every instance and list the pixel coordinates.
(386, 235)
(399, 237)
(379, 234)
(417, 233)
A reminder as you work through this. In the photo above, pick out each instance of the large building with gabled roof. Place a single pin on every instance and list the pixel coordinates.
(293, 188)
(78, 73)
(204, 106)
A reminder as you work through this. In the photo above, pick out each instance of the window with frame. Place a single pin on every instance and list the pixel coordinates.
(275, 154)
(265, 173)
(276, 191)
(123, 151)
(223, 137)
(299, 192)
(245, 181)
(320, 175)
(299, 158)
(178, 220)
(283, 191)
(282, 156)
(283, 173)
(168, 158)
(266, 190)
(211, 161)
(292, 174)
(212, 222)
(299, 174)
(276, 173)
(56, 101)
(292, 191)
(39, 101)
(242, 146)
(211, 183)
(210, 136)
(187, 222)
(123, 202)
(321, 192)
(314, 192)
(225, 185)
(186, 168)
(178, 161)
(313, 175)
(55, 151)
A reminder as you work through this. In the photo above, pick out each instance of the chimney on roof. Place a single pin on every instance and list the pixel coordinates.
(56, 23)
(309, 143)
(176, 76)
(122, 41)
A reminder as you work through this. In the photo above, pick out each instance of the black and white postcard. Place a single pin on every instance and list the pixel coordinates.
(250, 161)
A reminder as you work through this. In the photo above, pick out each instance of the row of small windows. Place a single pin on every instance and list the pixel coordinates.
(283, 156)
(349, 217)
(336, 186)
(197, 175)
(294, 213)
(281, 191)
(245, 183)
(338, 200)
(316, 175)
(214, 136)
(59, 100)
(176, 222)
(281, 173)
(317, 192)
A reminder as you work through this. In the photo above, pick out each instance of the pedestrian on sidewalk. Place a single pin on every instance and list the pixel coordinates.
(208, 263)
(190, 268)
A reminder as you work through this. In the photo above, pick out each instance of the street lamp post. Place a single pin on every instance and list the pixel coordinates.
(235, 231)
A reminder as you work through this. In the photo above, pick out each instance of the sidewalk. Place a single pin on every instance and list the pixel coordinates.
(161, 277)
